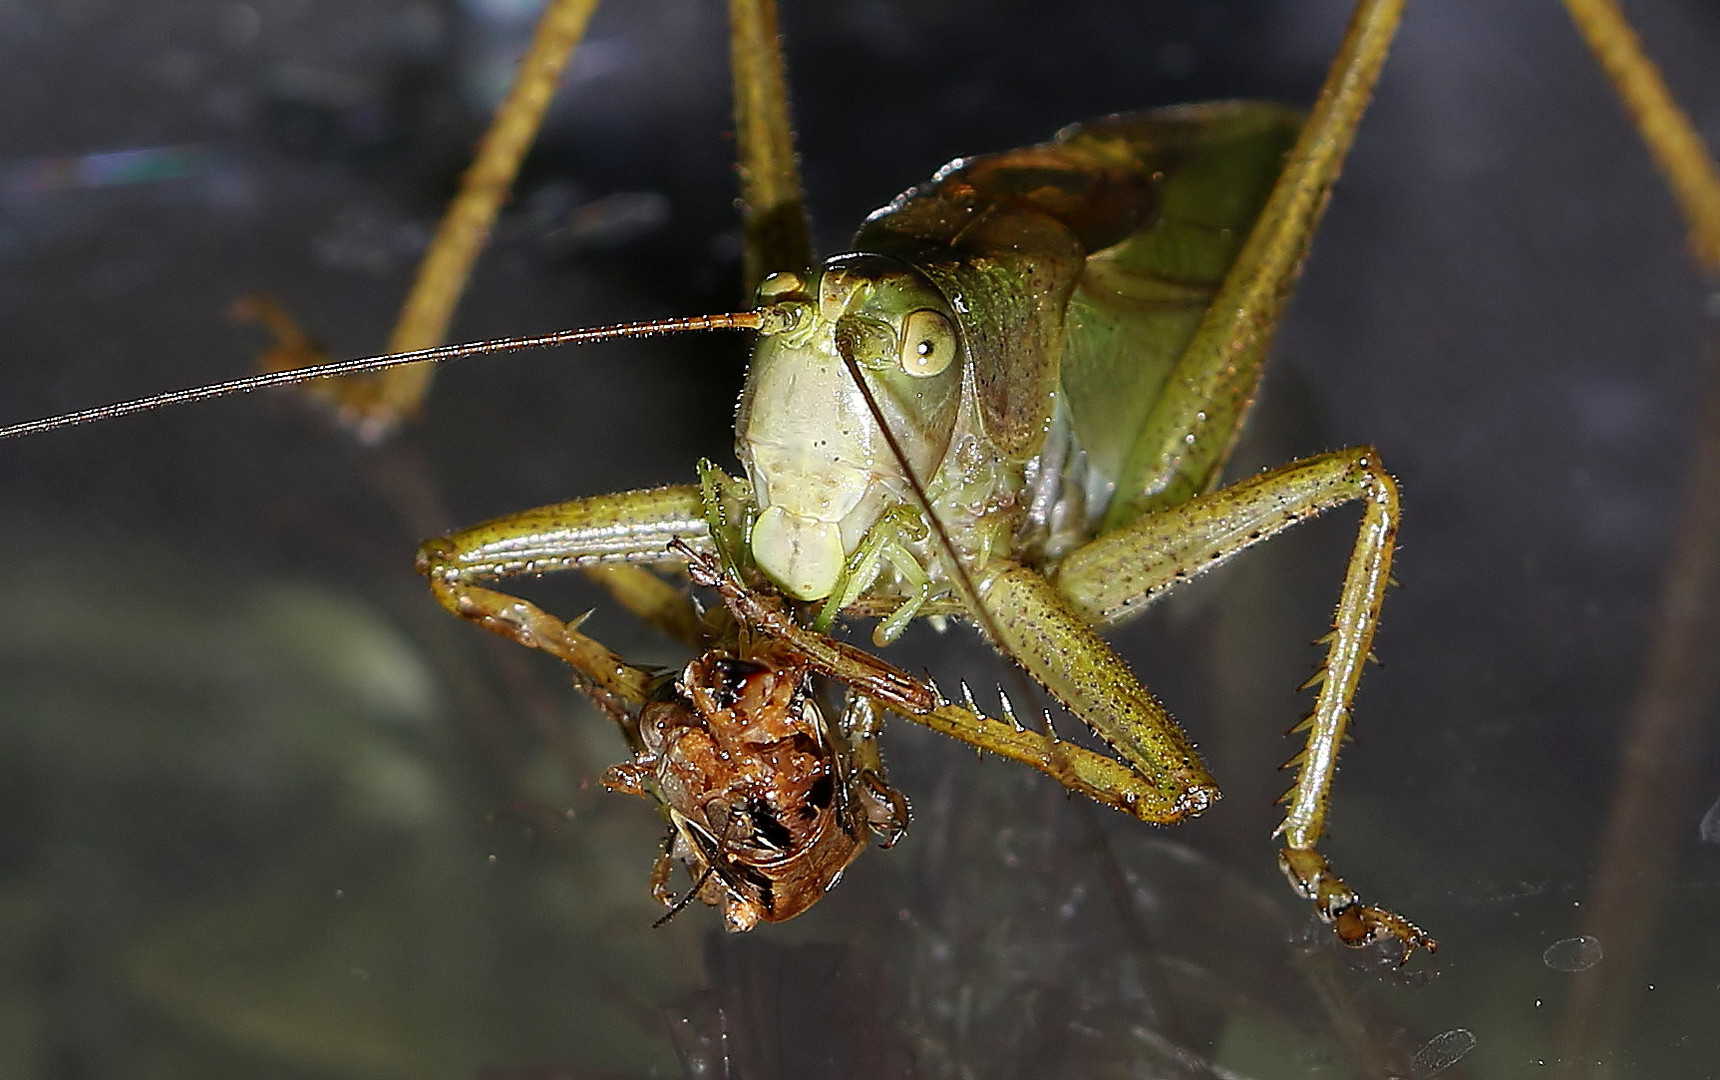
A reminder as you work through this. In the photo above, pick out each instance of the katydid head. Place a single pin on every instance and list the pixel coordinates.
(812, 440)
(852, 401)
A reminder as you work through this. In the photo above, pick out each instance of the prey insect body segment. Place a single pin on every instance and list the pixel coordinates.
(768, 798)
(768, 801)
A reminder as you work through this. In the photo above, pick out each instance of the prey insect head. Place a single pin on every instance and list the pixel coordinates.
(766, 796)
(822, 470)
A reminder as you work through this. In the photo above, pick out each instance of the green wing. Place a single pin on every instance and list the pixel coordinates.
(1139, 301)
(1083, 265)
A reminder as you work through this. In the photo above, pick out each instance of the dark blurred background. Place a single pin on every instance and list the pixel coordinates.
(265, 811)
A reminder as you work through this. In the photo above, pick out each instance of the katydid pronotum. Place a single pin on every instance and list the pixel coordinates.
(1345, 477)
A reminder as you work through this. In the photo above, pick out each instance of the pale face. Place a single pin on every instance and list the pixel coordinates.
(821, 468)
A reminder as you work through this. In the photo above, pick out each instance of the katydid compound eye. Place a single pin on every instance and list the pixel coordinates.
(928, 343)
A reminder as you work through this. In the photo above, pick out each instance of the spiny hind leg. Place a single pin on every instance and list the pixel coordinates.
(773, 207)
(1183, 443)
(1114, 575)
(375, 405)
(1671, 139)
(778, 236)
(465, 227)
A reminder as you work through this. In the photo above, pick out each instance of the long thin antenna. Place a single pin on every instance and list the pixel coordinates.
(745, 320)
(958, 570)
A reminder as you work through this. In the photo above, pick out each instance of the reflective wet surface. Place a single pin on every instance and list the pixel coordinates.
(266, 811)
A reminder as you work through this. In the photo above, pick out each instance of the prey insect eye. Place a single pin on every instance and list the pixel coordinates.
(928, 343)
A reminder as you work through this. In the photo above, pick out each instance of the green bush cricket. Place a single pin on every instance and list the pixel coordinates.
(1039, 617)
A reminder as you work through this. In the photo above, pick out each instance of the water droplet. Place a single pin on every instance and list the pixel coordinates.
(1443, 1051)
(1573, 953)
